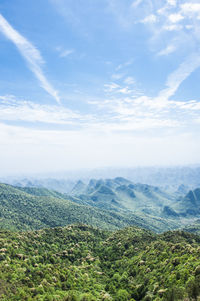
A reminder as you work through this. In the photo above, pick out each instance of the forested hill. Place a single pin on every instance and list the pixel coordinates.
(81, 263)
(108, 204)
(34, 208)
(41, 208)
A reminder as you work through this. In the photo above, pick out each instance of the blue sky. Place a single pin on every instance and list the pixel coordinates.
(98, 83)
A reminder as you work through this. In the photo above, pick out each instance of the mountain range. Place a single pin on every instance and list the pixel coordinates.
(105, 203)
(172, 178)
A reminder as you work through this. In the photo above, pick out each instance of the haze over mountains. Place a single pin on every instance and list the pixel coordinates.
(167, 177)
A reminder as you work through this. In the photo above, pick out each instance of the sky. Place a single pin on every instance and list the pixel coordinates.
(96, 83)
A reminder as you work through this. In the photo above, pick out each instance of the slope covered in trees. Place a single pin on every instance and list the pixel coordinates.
(193, 228)
(79, 262)
(37, 208)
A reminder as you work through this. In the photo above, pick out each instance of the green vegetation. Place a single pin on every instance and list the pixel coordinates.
(24, 211)
(37, 208)
(120, 193)
(189, 205)
(79, 262)
(193, 228)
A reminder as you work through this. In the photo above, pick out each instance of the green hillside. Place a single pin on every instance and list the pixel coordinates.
(120, 193)
(34, 208)
(82, 263)
(151, 202)
(189, 205)
(193, 228)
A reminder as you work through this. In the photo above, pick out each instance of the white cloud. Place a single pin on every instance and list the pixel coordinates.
(136, 3)
(124, 65)
(110, 87)
(128, 14)
(129, 80)
(175, 36)
(177, 24)
(173, 27)
(64, 52)
(117, 76)
(189, 27)
(13, 110)
(149, 19)
(175, 18)
(30, 54)
(124, 87)
(120, 113)
(168, 50)
(190, 9)
(179, 75)
(171, 2)
(124, 90)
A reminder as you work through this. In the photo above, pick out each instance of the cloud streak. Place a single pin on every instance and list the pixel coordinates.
(31, 55)
(177, 24)
(12, 109)
(179, 75)
(63, 53)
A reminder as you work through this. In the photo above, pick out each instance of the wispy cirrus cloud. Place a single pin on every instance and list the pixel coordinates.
(124, 65)
(166, 51)
(120, 113)
(129, 80)
(64, 52)
(31, 55)
(176, 23)
(12, 109)
(128, 108)
(175, 79)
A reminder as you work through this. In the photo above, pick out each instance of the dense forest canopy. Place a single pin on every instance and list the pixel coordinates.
(80, 262)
